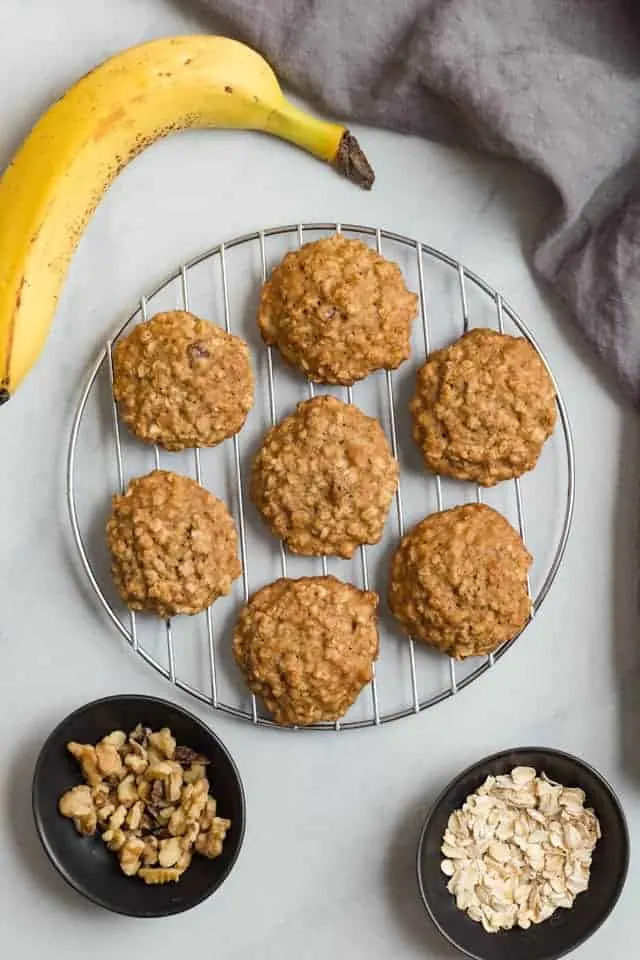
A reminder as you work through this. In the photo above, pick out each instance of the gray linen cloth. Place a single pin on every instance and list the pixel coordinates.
(553, 83)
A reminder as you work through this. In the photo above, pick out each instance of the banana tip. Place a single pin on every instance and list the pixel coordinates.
(352, 163)
(4, 395)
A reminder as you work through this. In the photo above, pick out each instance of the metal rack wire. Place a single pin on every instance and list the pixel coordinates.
(208, 688)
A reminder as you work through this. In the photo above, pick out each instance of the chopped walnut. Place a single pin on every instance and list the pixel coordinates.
(164, 742)
(130, 854)
(208, 814)
(86, 756)
(76, 802)
(156, 793)
(194, 799)
(140, 735)
(177, 822)
(134, 816)
(116, 739)
(150, 797)
(109, 762)
(173, 786)
(194, 773)
(209, 844)
(191, 834)
(144, 788)
(118, 817)
(105, 812)
(127, 790)
(154, 756)
(87, 824)
(154, 875)
(187, 757)
(114, 839)
(169, 852)
(136, 763)
(185, 860)
(159, 770)
(101, 795)
(150, 852)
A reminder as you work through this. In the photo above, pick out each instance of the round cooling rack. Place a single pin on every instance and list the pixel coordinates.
(223, 285)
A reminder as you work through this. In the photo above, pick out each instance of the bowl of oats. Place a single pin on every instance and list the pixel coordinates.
(138, 805)
(524, 855)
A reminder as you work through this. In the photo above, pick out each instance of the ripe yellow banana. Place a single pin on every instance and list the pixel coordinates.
(77, 148)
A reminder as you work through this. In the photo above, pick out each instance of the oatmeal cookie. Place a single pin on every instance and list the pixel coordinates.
(182, 382)
(307, 647)
(324, 478)
(338, 311)
(483, 408)
(459, 581)
(173, 545)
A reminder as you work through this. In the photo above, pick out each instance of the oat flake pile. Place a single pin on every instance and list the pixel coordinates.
(519, 848)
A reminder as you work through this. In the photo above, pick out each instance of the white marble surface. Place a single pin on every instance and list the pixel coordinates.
(328, 864)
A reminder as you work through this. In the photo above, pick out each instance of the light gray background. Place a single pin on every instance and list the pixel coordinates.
(328, 864)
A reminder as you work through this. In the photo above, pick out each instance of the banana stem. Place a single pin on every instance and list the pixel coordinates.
(352, 163)
(329, 141)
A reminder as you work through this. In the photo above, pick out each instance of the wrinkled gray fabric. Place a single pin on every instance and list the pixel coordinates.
(553, 83)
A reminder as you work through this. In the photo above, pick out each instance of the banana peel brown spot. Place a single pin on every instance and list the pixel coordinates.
(4, 383)
(105, 127)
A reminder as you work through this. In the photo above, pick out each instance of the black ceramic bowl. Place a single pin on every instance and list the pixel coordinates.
(566, 929)
(84, 862)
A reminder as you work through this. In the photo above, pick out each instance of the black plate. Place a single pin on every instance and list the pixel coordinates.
(566, 929)
(84, 862)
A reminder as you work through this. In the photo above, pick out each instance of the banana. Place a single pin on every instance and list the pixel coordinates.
(80, 144)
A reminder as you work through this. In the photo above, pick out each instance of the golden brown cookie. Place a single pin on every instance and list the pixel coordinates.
(182, 382)
(307, 647)
(338, 311)
(459, 581)
(483, 408)
(173, 545)
(324, 478)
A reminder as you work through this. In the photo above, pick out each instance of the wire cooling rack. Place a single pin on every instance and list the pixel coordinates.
(223, 284)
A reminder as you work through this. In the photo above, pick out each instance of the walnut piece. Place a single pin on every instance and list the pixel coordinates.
(209, 844)
(76, 802)
(86, 755)
(154, 875)
(127, 790)
(164, 742)
(108, 758)
(169, 852)
(149, 797)
(187, 757)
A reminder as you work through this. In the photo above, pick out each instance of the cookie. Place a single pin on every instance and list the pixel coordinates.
(483, 408)
(306, 647)
(182, 382)
(173, 545)
(459, 581)
(324, 478)
(338, 310)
